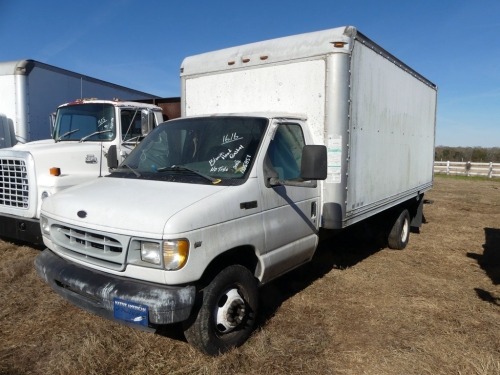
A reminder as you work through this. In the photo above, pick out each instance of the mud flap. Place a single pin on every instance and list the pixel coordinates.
(417, 215)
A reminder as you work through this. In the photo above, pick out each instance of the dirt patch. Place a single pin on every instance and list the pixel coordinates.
(433, 308)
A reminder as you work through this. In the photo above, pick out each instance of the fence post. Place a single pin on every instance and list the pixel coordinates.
(490, 171)
(468, 167)
(448, 167)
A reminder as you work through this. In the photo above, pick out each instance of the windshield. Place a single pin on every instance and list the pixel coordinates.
(90, 122)
(210, 150)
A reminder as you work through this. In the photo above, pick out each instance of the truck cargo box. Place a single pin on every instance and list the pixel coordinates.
(374, 113)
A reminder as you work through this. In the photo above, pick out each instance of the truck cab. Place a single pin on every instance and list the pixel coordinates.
(214, 191)
(90, 137)
(118, 127)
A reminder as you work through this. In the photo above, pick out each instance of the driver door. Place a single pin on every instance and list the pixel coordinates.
(290, 213)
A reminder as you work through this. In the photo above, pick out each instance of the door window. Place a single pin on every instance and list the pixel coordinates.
(131, 124)
(285, 151)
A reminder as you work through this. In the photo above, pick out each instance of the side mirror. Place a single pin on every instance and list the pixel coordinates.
(52, 121)
(313, 167)
(147, 119)
(314, 163)
(112, 157)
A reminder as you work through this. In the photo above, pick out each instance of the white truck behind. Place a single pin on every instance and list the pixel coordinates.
(90, 137)
(218, 204)
(30, 91)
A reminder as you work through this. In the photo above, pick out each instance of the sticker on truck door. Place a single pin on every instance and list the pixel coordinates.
(130, 312)
(334, 150)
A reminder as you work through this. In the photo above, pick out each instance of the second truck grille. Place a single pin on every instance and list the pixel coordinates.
(14, 188)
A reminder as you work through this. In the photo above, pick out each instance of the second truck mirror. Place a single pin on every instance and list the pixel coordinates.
(112, 157)
(146, 122)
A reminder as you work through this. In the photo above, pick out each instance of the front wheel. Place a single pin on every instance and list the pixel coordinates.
(227, 313)
(399, 234)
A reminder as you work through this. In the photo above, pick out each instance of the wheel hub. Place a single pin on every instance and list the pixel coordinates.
(405, 230)
(230, 311)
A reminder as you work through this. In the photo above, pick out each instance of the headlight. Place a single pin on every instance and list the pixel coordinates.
(151, 252)
(44, 225)
(175, 254)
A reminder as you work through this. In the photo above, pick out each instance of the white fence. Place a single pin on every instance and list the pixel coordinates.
(467, 168)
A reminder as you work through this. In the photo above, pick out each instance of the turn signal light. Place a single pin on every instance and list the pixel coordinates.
(339, 44)
(175, 254)
(54, 171)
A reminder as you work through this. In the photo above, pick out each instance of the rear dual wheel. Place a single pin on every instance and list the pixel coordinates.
(226, 317)
(399, 234)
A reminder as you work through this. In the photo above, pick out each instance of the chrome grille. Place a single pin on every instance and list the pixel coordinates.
(14, 187)
(97, 248)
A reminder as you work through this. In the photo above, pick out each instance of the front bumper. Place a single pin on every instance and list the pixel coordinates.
(21, 229)
(99, 292)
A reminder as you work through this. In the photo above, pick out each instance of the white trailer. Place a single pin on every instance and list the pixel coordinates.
(30, 91)
(281, 138)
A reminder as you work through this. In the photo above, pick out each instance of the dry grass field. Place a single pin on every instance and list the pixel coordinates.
(433, 308)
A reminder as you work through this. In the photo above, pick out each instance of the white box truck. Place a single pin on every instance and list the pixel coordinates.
(90, 137)
(281, 138)
(30, 91)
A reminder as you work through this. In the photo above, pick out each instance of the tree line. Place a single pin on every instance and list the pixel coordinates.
(472, 154)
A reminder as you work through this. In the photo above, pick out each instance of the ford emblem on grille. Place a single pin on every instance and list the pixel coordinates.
(82, 214)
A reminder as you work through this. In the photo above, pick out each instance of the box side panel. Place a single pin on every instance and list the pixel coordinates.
(295, 88)
(392, 133)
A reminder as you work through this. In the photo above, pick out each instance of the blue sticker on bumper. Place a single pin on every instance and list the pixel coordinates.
(130, 312)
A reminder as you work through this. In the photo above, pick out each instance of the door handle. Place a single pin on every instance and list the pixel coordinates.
(314, 213)
(248, 205)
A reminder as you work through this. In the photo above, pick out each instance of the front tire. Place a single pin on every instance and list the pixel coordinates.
(226, 317)
(399, 234)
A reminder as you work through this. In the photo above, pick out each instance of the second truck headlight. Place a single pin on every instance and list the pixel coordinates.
(44, 225)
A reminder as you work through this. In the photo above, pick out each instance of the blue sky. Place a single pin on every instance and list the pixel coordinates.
(141, 43)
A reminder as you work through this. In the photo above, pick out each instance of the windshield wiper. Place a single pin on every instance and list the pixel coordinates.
(94, 133)
(66, 134)
(183, 168)
(126, 166)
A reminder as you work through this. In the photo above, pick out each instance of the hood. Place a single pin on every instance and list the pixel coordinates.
(50, 146)
(29, 145)
(126, 206)
(70, 157)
